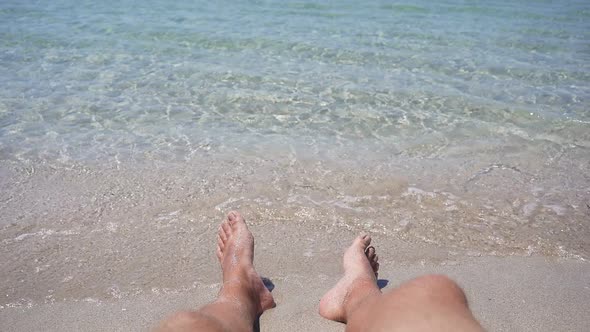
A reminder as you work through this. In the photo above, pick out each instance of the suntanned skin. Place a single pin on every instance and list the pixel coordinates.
(243, 296)
(429, 303)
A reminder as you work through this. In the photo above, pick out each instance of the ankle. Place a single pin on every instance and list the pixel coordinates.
(237, 275)
(363, 292)
(243, 300)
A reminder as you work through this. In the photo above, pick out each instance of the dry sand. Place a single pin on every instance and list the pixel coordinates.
(506, 294)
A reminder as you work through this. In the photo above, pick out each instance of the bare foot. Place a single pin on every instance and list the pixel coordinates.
(235, 251)
(359, 281)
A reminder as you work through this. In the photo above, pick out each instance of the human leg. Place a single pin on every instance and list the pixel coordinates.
(243, 296)
(359, 283)
(429, 303)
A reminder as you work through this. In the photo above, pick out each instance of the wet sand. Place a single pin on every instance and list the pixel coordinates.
(113, 248)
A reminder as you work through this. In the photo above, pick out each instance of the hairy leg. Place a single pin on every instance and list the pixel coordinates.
(429, 303)
(243, 296)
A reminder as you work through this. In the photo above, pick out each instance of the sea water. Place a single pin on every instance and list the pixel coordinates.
(87, 80)
(461, 124)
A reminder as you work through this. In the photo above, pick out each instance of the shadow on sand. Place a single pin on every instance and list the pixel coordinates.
(382, 283)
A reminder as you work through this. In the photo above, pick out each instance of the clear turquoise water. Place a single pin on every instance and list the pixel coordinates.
(88, 80)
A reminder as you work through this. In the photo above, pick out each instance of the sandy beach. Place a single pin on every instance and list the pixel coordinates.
(505, 294)
(456, 133)
(118, 251)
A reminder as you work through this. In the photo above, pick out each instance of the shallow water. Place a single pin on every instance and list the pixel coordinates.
(462, 126)
(86, 81)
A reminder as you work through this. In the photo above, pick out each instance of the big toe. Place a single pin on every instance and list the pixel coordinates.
(235, 218)
(355, 256)
(362, 241)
